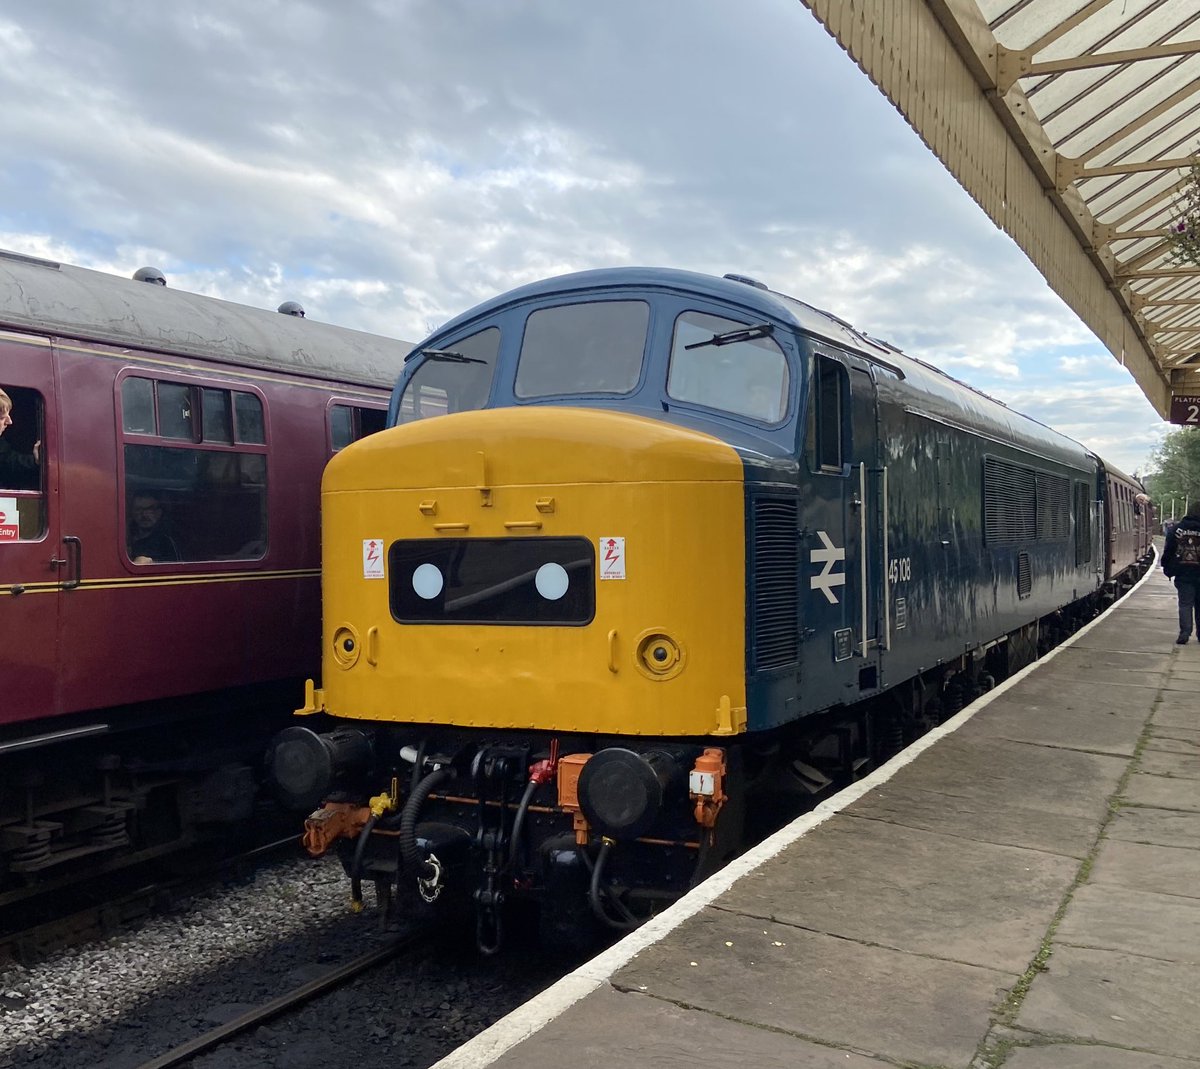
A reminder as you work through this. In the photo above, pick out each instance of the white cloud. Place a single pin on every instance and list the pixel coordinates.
(389, 165)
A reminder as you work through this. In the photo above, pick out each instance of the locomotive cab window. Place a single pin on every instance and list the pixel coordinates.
(22, 468)
(723, 364)
(590, 348)
(195, 473)
(349, 423)
(826, 431)
(455, 378)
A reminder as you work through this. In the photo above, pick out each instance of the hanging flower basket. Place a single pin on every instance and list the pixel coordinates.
(1183, 234)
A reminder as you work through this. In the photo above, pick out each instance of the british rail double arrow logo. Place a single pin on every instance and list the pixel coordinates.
(828, 579)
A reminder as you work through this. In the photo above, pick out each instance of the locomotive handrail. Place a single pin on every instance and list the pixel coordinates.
(862, 559)
(887, 585)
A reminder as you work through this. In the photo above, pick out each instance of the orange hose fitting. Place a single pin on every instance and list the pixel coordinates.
(706, 784)
(333, 821)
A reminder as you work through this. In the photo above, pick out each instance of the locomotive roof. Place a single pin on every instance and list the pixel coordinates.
(928, 389)
(64, 301)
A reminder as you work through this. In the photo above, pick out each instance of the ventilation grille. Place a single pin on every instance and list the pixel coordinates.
(1053, 507)
(1024, 576)
(776, 635)
(1023, 505)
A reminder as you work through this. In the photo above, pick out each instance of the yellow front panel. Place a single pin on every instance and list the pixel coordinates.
(675, 496)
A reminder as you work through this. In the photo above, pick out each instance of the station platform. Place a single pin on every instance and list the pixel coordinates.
(1020, 888)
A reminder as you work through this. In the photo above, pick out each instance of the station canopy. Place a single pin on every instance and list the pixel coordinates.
(1076, 126)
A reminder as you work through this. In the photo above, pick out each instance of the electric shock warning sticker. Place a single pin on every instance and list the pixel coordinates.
(612, 558)
(372, 558)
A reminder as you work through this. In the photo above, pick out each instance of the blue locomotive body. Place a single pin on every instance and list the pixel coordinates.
(873, 543)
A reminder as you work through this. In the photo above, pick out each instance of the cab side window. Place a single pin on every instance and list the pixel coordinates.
(826, 432)
(22, 471)
(195, 472)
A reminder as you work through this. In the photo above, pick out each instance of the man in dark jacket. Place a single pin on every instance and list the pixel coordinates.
(1181, 562)
(149, 540)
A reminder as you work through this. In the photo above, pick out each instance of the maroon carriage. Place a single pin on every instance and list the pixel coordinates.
(159, 545)
(1129, 525)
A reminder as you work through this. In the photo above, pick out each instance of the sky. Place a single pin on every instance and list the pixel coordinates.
(391, 163)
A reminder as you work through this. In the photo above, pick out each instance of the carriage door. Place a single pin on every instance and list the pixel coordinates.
(32, 556)
(866, 568)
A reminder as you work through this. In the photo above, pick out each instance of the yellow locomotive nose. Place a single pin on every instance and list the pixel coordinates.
(536, 568)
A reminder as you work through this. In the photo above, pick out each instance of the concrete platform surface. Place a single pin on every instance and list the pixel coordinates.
(1020, 889)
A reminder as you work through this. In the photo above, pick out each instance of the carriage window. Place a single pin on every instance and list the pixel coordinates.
(583, 348)
(826, 415)
(22, 498)
(748, 377)
(349, 423)
(195, 477)
(455, 383)
(248, 417)
(137, 405)
(215, 409)
(175, 410)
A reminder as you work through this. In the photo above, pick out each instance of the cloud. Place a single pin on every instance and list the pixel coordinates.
(390, 165)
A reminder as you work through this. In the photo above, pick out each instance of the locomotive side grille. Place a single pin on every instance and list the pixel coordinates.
(1023, 505)
(1009, 503)
(1053, 507)
(776, 636)
(1024, 576)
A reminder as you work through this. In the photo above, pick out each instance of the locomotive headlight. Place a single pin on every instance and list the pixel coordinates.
(428, 581)
(659, 655)
(345, 646)
(551, 581)
(621, 792)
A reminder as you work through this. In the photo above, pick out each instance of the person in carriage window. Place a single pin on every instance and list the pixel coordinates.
(149, 541)
(18, 471)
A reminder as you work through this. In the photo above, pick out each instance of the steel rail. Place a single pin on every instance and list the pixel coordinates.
(251, 1018)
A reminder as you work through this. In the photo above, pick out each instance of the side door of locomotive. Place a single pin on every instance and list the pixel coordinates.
(32, 554)
(844, 526)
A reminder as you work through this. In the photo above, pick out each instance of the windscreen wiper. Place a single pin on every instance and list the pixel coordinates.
(446, 356)
(761, 330)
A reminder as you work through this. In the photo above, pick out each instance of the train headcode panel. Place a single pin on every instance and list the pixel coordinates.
(1185, 410)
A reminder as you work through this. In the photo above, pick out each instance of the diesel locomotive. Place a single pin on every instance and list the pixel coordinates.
(159, 554)
(643, 555)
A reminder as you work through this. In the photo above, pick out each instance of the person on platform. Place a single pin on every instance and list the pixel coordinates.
(1181, 562)
(18, 471)
(149, 542)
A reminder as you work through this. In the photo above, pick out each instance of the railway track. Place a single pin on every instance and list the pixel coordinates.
(128, 896)
(330, 981)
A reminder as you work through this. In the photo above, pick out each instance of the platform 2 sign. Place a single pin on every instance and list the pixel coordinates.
(1185, 410)
(10, 522)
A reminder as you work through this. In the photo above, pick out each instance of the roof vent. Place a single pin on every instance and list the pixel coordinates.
(747, 280)
(150, 274)
(291, 308)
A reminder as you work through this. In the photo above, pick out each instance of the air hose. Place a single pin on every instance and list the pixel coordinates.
(410, 853)
(519, 822)
(360, 849)
(627, 922)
